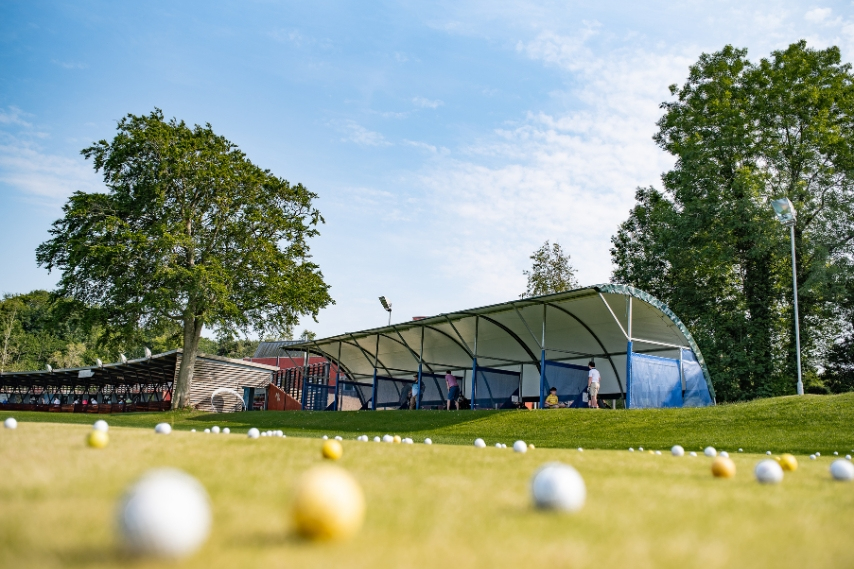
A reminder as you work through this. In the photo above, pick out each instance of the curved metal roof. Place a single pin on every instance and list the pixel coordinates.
(573, 326)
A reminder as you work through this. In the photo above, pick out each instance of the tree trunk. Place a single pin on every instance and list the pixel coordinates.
(192, 334)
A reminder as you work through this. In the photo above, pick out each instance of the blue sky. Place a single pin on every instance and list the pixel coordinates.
(446, 140)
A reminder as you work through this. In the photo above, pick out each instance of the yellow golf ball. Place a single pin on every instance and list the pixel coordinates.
(332, 449)
(97, 439)
(329, 504)
(397, 438)
(787, 462)
(723, 467)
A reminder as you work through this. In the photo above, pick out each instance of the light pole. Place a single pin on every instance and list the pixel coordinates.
(387, 305)
(787, 215)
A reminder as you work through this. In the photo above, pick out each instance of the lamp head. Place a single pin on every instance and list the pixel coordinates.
(785, 211)
(386, 304)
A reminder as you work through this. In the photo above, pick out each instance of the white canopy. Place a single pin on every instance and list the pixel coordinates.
(593, 323)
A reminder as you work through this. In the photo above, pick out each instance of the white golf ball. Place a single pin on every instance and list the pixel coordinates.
(253, 433)
(768, 452)
(215, 430)
(724, 454)
(842, 470)
(520, 446)
(817, 454)
(376, 439)
(812, 457)
(337, 438)
(280, 433)
(10, 423)
(388, 439)
(580, 449)
(163, 428)
(557, 486)
(640, 449)
(677, 450)
(847, 457)
(710, 451)
(265, 434)
(207, 430)
(226, 431)
(692, 453)
(101, 425)
(631, 449)
(192, 430)
(768, 472)
(497, 445)
(658, 452)
(325, 438)
(835, 453)
(740, 450)
(407, 441)
(479, 443)
(165, 514)
(428, 441)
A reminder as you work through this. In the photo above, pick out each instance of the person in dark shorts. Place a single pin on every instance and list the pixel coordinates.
(453, 390)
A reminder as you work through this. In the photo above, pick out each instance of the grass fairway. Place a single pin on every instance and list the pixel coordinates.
(428, 506)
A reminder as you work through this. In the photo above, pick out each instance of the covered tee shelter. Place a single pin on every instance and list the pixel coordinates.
(516, 351)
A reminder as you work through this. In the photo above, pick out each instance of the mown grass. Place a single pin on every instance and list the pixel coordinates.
(428, 506)
(786, 424)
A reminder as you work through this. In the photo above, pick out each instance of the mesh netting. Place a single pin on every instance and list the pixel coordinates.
(655, 382)
(392, 393)
(434, 391)
(318, 396)
(495, 388)
(570, 381)
(696, 390)
(354, 396)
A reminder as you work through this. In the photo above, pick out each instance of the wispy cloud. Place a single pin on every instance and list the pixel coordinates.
(70, 64)
(427, 103)
(13, 116)
(362, 136)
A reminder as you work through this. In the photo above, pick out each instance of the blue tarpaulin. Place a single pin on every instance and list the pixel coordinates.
(696, 389)
(654, 382)
(570, 381)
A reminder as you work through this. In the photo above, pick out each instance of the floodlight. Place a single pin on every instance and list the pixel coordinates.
(147, 353)
(123, 358)
(98, 362)
(386, 304)
(785, 211)
(49, 368)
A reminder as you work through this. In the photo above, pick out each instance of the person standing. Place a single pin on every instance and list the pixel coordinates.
(414, 392)
(453, 390)
(593, 385)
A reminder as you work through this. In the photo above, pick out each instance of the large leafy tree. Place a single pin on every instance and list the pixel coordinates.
(188, 233)
(742, 135)
(551, 271)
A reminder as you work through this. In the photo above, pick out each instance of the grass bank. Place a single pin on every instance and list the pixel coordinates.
(800, 425)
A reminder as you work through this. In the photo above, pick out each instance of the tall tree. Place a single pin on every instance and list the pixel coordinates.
(189, 231)
(551, 271)
(742, 135)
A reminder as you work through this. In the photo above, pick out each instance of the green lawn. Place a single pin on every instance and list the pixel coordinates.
(436, 506)
(786, 424)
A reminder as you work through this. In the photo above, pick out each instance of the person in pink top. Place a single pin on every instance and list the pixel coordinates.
(453, 390)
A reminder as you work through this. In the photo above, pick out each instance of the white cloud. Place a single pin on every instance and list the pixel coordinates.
(36, 174)
(362, 136)
(818, 15)
(13, 116)
(427, 103)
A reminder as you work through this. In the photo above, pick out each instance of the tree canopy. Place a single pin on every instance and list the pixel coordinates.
(708, 245)
(189, 232)
(550, 272)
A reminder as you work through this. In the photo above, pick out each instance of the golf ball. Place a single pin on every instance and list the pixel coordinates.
(329, 504)
(723, 467)
(520, 446)
(337, 438)
(97, 439)
(192, 430)
(376, 439)
(677, 450)
(163, 428)
(497, 445)
(768, 472)
(396, 439)
(658, 452)
(557, 486)
(531, 445)
(101, 425)
(226, 431)
(580, 449)
(324, 437)
(388, 439)
(631, 449)
(724, 454)
(407, 441)
(207, 430)
(812, 457)
(788, 462)
(479, 443)
(692, 453)
(835, 453)
(215, 430)
(710, 451)
(842, 470)
(740, 450)
(768, 452)
(847, 457)
(818, 454)
(10, 423)
(253, 433)
(428, 441)
(640, 449)
(165, 514)
(332, 449)
(265, 434)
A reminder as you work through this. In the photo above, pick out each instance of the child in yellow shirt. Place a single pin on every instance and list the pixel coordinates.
(552, 400)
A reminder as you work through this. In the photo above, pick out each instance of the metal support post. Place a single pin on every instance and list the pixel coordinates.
(797, 323)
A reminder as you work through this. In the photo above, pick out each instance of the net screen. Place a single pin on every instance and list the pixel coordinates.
(655, 382)
(570, 381)
(354, 396)
(393, 393)
(495, 388)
